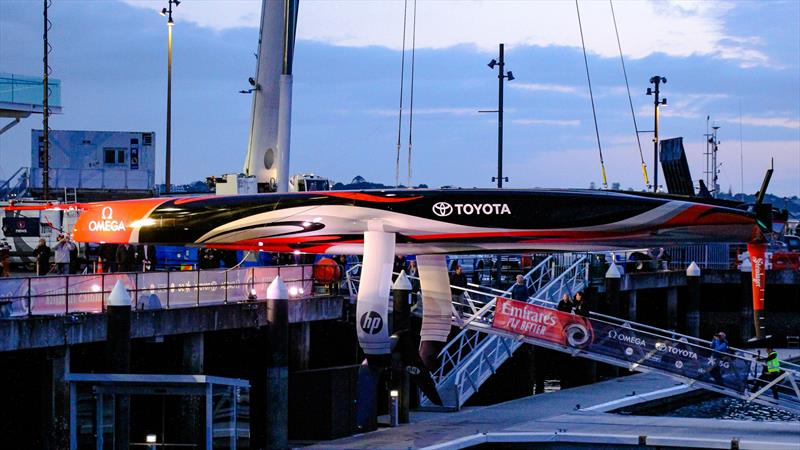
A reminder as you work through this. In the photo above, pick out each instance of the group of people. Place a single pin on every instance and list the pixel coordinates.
(66, 256)
(115, 258)
(575, 305)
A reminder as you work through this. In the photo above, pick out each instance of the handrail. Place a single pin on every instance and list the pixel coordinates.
(55, 295)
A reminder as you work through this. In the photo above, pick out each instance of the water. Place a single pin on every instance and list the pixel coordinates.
(716, 408)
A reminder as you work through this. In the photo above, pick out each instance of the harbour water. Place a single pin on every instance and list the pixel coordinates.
(714, 407)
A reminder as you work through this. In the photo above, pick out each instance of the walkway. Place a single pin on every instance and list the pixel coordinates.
(552, 417)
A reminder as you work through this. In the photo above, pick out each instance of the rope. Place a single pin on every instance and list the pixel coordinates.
(591, 96)
(411, 106)
(400, 115)
(630, 100)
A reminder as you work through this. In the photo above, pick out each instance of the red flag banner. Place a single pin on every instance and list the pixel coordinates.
(542, 323)
(758, 273)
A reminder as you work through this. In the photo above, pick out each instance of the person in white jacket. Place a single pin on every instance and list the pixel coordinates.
(62, 251)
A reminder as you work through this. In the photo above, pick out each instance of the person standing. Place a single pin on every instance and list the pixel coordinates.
(718, 344)
(63, 254)
(565, 304)
(519, 291)
(772, 370)
(581, 308)
(42, 254)
(5, 257)
(458, 281)
(124, 257)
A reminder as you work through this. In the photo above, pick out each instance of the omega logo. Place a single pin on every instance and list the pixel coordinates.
(106, 222)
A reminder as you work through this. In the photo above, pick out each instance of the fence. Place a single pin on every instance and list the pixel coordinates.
(53, 295)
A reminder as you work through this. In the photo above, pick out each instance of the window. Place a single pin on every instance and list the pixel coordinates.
(113, 156)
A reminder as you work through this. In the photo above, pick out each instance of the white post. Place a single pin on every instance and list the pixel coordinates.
(284, 133)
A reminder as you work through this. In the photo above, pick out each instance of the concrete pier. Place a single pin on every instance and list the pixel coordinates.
(575, 416)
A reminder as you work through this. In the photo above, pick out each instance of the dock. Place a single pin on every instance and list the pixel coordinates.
(576, 416)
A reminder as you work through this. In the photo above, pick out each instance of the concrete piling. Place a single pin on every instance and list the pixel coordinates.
(277, 426)
(118, 336)
(692, 324)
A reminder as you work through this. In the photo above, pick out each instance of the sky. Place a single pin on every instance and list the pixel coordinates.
(737, 62)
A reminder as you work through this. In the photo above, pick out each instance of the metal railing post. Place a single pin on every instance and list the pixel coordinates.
(66, 295)
(168, 289)
(197, 287)
(30, 304)
(226, 287)
(103, 292)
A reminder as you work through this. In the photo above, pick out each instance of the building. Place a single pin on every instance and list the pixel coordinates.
(95, 165)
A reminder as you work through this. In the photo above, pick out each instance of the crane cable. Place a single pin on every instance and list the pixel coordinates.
(411, 106)
(630, 100)
(400, 115)
(591, 96)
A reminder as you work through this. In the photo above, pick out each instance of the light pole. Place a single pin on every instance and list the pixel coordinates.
(656, 80)
(501, 75)
(168, 12)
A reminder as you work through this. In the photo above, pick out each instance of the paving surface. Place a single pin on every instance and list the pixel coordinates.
(557, 413)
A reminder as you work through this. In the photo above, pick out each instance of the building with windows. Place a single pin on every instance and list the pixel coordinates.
(95, 164)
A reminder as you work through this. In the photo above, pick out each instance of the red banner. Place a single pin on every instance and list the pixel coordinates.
(542, 323)
(758, 273)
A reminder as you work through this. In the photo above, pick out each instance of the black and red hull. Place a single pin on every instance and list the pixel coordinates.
(425, 221)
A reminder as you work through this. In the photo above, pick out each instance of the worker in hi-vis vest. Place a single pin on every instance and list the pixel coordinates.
(772, 369)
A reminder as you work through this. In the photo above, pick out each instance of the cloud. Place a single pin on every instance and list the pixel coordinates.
(419, 111)
(684, 106)
(781, 122)
(674, 28)
(539, 87)
(578, 166)
(550, 122)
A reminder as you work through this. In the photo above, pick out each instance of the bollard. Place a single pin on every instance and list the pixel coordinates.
(277, 426)
(612, 289)
(692, 326)
(118, 336)
(613, 282)
(401, 313)
(394, 403)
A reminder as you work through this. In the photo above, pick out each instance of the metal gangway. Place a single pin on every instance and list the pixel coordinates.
(472, 356)
(469, 358)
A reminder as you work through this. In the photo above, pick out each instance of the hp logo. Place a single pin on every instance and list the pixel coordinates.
(371, 322)
(443, 209)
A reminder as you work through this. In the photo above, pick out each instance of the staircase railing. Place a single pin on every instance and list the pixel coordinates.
(470, 358)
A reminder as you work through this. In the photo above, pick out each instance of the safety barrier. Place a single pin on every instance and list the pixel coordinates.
(53, 295)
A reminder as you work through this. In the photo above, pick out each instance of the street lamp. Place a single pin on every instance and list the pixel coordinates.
(656, 80)
(501, 75)
(168, 13)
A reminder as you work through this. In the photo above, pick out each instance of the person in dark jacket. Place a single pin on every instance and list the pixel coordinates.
(125, 258)
(519, 291)
(581, 308)
(565, 304)
(458, 280)
(42, 254)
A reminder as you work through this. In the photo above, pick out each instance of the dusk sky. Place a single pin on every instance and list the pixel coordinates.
(738, 62)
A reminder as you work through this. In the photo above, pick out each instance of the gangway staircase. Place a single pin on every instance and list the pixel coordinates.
(472, 356)
(481, 347)
(643, 348)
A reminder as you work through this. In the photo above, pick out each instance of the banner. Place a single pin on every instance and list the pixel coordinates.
(621, 343)
(758, 273)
